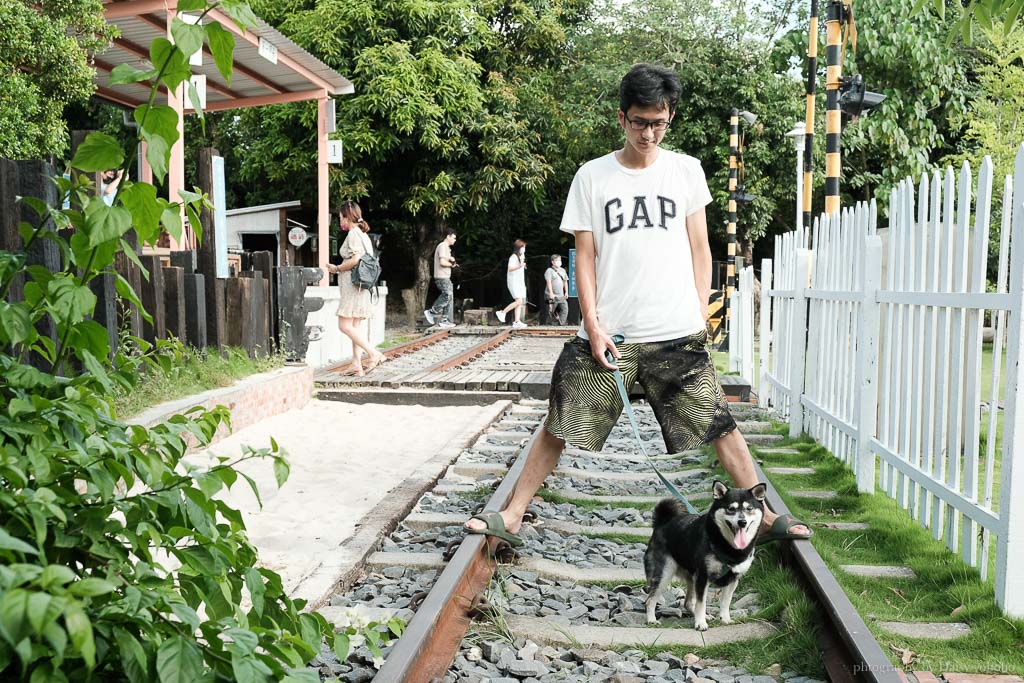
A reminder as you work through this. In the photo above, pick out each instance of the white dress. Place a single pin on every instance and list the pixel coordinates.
(516, 279)
(353, 302)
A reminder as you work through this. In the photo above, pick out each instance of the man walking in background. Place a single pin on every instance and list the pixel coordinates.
(556, 290)
(444, 306)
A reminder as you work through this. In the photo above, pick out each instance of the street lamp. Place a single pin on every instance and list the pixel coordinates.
(799, 134)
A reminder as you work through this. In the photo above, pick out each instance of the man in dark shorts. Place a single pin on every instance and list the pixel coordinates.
(643, 270)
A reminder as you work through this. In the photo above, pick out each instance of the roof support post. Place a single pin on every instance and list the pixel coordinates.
(323, 215)
(176, 166)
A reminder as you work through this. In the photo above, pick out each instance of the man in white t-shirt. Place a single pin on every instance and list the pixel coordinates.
(643, 271)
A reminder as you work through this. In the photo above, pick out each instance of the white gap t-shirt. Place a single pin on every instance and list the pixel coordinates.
(645, 285)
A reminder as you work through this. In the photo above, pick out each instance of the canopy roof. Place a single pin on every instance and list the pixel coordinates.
(256, 80)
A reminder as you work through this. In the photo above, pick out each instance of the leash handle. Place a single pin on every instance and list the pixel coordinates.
(624, 395)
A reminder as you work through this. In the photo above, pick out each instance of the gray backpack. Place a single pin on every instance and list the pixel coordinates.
(367, 270)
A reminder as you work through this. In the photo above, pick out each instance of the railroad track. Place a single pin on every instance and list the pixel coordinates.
(473, 359)
(573, 599)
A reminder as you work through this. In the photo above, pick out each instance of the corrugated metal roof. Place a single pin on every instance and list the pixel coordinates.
(252, 76)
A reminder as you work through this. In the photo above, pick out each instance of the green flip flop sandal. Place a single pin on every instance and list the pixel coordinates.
(781, 530)
(495, 527)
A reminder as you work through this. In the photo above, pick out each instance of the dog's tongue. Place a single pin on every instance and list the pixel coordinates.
(741, 539)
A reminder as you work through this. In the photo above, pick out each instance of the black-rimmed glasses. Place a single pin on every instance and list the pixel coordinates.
(641, 124)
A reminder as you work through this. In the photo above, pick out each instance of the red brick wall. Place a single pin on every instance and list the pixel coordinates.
(250, 400)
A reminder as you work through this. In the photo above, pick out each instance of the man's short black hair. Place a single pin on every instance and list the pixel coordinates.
(448, 233)
(648, 85)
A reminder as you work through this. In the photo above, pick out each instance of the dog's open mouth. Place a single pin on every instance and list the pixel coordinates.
(741, 539)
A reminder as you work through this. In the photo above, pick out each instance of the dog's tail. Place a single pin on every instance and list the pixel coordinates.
(666, 510)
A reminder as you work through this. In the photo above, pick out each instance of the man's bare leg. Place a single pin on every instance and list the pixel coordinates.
(736, 459)
(543, 457)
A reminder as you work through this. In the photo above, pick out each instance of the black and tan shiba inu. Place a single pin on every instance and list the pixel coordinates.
(714, 548)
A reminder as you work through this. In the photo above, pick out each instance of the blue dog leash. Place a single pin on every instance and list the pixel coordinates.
(624, 395)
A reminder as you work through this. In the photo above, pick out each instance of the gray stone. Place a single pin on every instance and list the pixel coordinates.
(935, 631)
(527, 667)
(528, 651)
(763, 679)
(657, 667)
(626, 667)
(625, 678)
(879, 571)
(575, 612)
(610, 657)
(746, 601)
(358, 674)
(505, 659)
(394, 572)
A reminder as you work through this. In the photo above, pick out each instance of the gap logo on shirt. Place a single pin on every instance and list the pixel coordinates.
(634, 213)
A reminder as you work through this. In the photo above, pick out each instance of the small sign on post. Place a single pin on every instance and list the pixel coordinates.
(297, 237)
(334, 151)
(267, 50)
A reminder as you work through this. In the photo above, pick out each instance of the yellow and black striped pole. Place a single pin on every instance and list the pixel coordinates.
(812, 81)
(730, 272)
(833, 114)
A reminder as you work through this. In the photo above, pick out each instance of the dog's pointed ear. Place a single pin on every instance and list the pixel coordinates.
(719, 489)
(759, 491)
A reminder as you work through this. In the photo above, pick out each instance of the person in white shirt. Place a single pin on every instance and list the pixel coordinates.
(643, 271)
(556, 290)
(516, 281)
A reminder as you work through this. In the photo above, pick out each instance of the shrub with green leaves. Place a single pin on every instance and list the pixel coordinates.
(118, 561)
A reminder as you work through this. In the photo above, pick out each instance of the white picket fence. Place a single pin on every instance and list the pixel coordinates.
(741, 336)
(876, 350)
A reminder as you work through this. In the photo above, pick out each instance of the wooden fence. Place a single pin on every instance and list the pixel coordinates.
(877, 351)
(183, 295)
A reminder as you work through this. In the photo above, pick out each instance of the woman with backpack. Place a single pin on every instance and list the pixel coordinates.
(354, 305)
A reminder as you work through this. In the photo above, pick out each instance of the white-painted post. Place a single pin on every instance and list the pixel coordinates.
(1010, 548)
(766, 328)
(798, 342)
(869, 329)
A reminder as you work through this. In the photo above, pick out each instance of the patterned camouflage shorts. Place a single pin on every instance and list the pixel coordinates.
(679, 381)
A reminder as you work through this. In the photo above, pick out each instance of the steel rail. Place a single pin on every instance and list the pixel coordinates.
(850, 652)
(395, 351)
(426, 650)
(434, 634)
(463, 357)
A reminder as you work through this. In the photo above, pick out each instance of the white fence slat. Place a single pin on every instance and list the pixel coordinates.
(867, 366)
(961, 265)
(997, 358)
(945, 344)
(1010, 547)
(931, 330)
(972, 371)
(764, 329)
(798, 332)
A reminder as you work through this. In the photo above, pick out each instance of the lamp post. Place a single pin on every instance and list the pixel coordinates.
(800, 143)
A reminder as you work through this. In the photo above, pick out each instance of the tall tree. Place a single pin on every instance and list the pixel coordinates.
(435, 130)
(908, 58)
(44, 65)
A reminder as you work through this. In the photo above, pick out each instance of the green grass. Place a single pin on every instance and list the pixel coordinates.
(196, 372)
(396, 340)
(945, 590)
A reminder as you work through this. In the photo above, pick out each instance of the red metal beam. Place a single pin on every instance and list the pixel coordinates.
(263, 100)
(143, 53)
(245, 71)
(118, 98)
(133, 8)
(254, 40)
